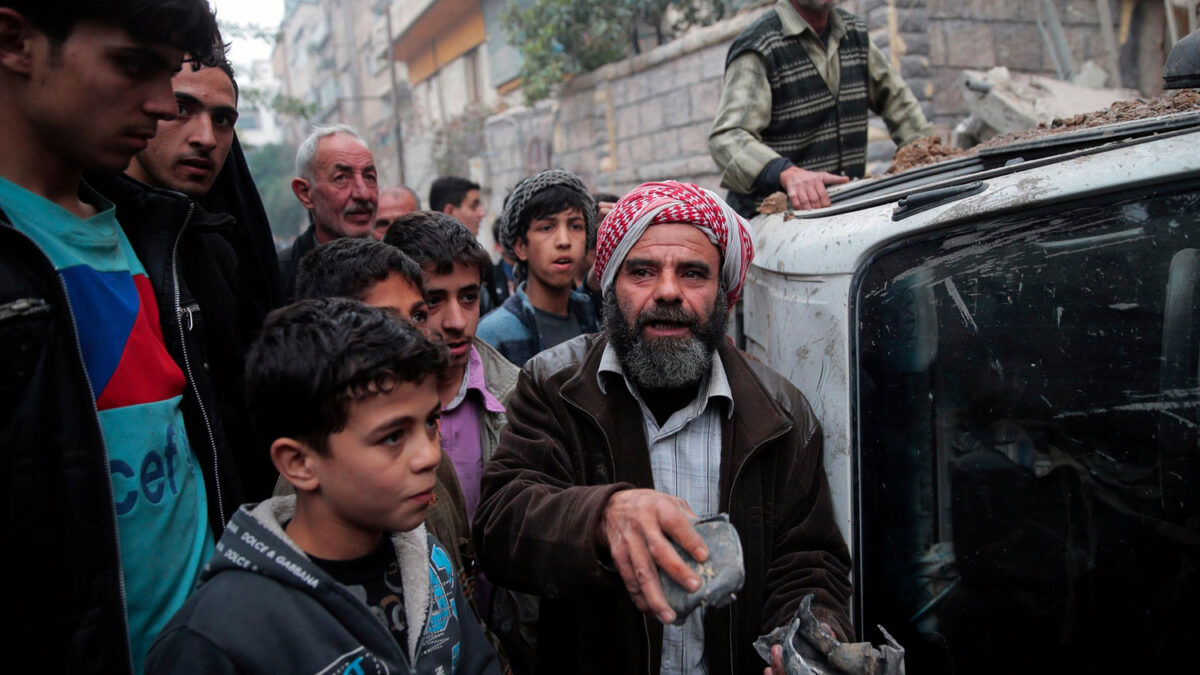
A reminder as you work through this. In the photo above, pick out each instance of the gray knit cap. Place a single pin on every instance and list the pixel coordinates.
(518, 199)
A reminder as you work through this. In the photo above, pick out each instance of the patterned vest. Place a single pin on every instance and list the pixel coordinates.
(808, 125)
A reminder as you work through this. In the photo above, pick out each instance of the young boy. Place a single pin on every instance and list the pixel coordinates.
(380, 275)
(549, 222)
(342, 577)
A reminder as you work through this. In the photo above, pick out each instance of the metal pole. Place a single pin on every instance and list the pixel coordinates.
(1104, 13)
(391, 58)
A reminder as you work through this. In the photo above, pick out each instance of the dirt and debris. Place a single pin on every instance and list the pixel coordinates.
(922, 151)
(777, 202)
(931, 150)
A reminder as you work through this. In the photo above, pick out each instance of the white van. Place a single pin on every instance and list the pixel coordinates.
(1004, 353)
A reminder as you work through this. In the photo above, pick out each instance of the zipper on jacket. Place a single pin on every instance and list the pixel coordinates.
(34, 307)
(187, 362)
(190, 310)
(23, 307)
(649, 649)
(732, 485)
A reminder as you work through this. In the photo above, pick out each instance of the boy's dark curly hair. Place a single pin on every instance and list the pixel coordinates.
(316, 357)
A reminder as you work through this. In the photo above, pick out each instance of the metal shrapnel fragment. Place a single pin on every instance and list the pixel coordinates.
(809, 649)
(721, 575)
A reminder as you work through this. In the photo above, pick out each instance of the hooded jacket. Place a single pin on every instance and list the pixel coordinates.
(57, 489)
(569, 446)
(264, 607)
(245, 292)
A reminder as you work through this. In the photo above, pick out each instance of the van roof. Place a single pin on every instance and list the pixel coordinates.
(1019, 149)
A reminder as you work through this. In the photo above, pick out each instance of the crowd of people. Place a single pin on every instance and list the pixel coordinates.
(382, 450)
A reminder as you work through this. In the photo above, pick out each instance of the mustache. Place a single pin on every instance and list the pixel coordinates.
(668, 314)
(358, 206)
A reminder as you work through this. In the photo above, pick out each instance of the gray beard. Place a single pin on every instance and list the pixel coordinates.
(665, 363)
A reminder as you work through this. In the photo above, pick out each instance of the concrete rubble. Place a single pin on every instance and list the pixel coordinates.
(1002, 102)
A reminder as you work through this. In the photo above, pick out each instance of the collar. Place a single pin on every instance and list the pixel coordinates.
(794, 24)
(577, 297)
(473, 380)
(715, 384)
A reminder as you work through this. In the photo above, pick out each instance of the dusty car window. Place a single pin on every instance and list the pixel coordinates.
(1028, 410)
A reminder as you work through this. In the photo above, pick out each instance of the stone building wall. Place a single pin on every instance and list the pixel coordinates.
(981, 34)
(647, 118)
(641, 119)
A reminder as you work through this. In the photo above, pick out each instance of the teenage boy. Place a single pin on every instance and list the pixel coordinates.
(380, 275)
(227, 258)
(549, 223)
(479, 380)
(474, 391)
(342, 577)
(107, 428)
(459, 198)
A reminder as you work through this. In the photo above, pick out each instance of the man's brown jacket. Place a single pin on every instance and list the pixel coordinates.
(569, 446)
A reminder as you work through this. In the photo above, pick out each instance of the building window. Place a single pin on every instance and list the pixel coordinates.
(471, 60)
(248, 121)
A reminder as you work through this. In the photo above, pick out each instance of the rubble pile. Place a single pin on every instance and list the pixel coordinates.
(930, 150)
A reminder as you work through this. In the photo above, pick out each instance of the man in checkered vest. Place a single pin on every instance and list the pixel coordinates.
(793, 110)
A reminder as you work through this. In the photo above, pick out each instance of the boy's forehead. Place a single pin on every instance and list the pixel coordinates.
(462, 276)
(394, 292)
(208, 84)
(569, 212)
(392, 400)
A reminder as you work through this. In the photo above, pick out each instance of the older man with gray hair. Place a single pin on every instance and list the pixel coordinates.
(337, 182)
(581, 502)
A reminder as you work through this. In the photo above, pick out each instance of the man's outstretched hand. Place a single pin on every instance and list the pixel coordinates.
(806, 189)
(635, 525)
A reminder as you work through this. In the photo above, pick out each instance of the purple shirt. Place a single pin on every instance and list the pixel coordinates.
(461, 429)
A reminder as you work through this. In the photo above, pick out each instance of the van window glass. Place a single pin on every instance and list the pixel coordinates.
(1028, 457)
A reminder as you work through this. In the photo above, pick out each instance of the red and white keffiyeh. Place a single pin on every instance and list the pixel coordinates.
(674, 202)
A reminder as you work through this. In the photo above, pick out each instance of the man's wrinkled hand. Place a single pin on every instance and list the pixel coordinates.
(806, 189)
(636, 525)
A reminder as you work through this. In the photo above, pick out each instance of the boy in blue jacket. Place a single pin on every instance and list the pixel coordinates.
(341, 577)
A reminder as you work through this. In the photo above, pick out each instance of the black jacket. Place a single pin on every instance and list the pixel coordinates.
(289, 261)
(65, 606)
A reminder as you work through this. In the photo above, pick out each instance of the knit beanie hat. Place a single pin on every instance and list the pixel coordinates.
(514, 220)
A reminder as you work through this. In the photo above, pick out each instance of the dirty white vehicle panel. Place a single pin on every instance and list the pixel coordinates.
(1006, 366)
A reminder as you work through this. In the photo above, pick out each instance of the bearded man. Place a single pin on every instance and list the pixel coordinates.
(617, 441)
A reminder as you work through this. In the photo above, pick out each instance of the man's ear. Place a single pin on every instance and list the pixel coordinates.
(294, 461)
(303, 191)
(16, 41)
(521, 249)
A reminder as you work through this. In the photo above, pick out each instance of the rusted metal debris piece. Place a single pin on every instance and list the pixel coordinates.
(810, 649)
(721, 575)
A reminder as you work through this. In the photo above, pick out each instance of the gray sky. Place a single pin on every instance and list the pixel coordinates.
(265, 13)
